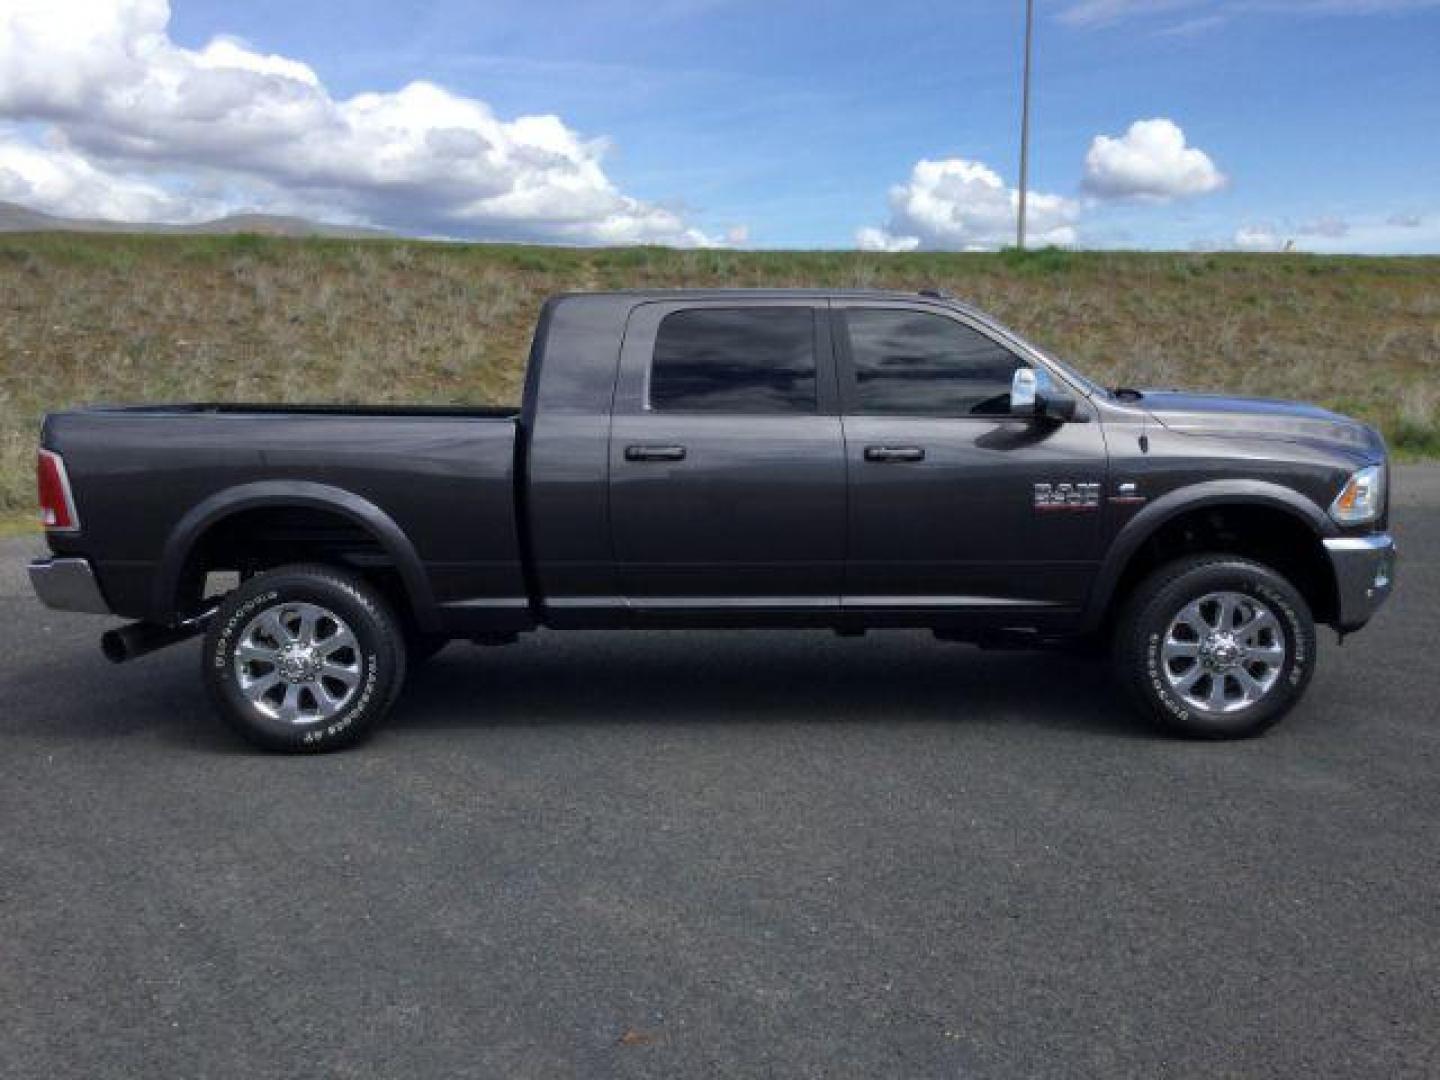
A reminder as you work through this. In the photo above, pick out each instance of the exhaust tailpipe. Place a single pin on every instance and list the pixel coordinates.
(138, 639)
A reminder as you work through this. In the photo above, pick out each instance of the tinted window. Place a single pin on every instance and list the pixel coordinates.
(744, 360)
(914, 362)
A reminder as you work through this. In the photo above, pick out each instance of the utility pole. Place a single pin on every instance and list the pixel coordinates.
(1025, 127)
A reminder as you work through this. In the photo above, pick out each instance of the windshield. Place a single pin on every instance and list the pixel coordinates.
(1073, 373)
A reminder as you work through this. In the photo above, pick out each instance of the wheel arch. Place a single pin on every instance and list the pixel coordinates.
(212, 513)
(1250, 499)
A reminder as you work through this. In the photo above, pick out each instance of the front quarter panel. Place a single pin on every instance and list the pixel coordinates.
(1157, 473)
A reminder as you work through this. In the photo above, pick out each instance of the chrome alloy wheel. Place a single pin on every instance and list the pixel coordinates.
(298, 663)
(1223, 652)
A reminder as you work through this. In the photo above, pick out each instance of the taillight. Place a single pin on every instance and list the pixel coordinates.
(57, 504)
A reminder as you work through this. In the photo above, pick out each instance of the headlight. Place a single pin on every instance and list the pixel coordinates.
(1362, 497)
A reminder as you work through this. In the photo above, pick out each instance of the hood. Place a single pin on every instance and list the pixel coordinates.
(1259, 418)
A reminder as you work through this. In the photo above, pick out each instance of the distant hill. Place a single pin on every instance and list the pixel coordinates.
(16, 218)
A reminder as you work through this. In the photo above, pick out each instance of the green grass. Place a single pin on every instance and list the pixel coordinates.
(18, 524)
(147, 318)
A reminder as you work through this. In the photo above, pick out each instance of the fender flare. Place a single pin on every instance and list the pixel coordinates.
(267, 494)
(1171, 505)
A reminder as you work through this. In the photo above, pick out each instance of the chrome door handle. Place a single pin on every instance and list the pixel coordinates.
(894, 453)
(654, 453)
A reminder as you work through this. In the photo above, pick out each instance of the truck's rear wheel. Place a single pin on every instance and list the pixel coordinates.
(304, 659)
(1215, 647)
(420, 646)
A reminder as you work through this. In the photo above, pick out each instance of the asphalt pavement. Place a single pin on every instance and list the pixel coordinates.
(724, 854)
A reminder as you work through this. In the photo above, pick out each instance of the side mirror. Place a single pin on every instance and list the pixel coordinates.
(1023, 389)
(1056, 406)
(1032, 393)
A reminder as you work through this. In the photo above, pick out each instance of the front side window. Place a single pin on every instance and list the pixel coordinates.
(918, 363)
(739, 360)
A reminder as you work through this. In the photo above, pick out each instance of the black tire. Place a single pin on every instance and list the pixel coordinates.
(1153, 681)
(374, 667)
(421, 646)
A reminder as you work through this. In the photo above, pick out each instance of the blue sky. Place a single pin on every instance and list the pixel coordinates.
(800, 124)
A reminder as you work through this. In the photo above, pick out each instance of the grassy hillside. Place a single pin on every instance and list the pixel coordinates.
(135, 318)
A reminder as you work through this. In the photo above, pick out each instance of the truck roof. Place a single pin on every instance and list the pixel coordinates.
(630, 298)
(769, 293)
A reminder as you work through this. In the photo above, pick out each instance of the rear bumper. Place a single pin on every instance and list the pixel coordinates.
(68, 585)
(1364, 575)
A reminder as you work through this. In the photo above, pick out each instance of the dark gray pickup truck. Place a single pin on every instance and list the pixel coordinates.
(846, 460)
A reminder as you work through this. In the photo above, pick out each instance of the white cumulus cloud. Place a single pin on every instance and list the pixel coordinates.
(1368, 232)
(874, 238)
(56, 180)
(1261, 237)
(1150, 162)
(954, 204)
(122, 100)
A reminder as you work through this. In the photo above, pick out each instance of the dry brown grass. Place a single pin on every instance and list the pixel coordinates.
(147, 318)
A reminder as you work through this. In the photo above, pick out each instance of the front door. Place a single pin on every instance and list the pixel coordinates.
(727, 462)
(943, 507)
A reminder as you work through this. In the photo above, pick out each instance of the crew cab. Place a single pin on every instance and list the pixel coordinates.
(842, 460)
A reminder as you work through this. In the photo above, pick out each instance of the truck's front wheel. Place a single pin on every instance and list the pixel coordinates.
(1215, 647)
(304, 658)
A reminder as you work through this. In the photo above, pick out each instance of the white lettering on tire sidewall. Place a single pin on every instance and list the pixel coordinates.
(223, 661)
(1298, 662)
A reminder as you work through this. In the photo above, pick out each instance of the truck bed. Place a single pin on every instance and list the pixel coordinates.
(436, 484)
(226, 408)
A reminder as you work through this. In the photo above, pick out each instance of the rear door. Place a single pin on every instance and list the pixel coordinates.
(943, 509)
(727, 463)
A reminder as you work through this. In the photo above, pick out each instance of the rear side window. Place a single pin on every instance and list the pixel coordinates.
(740, 360)
(917, 363)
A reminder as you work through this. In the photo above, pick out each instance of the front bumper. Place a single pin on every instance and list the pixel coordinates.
(68, 585)
(1364, 575)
